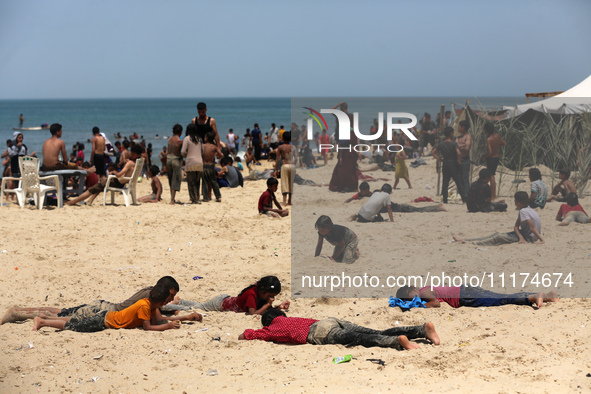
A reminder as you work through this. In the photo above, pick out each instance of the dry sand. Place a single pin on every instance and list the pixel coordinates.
(65, 257)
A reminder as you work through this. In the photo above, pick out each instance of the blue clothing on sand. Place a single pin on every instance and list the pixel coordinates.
(406, 305)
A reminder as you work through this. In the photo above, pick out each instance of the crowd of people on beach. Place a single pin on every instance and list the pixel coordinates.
(194, 158)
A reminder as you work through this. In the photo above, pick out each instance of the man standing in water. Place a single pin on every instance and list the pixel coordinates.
(21, 120)
(205, 124)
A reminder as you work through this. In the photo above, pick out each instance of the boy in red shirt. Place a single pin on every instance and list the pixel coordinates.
(143, 313)
(279, 328)
(268, 198)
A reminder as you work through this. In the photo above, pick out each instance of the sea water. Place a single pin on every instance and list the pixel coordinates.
(153, 118)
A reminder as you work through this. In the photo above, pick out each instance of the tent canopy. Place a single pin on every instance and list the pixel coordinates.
(576, 100)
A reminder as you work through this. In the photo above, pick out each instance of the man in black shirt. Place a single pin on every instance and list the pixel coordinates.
(449, 153)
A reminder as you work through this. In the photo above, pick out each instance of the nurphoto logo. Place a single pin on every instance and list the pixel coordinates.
(345, 128)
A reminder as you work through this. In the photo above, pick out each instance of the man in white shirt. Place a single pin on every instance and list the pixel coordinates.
(370, 211)
(273, 136)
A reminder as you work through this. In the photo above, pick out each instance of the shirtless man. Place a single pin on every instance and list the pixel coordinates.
(564, 187)
(97, 156)
(52, 149)
(174, 161)
(288, 169)
(126, 171)
(493, 143)
(124, 154)
(464, 142)
(210, 152)
(205, 124)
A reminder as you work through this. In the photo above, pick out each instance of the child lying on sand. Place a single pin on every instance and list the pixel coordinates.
(279, 328)
(458, 296)
(143, 313)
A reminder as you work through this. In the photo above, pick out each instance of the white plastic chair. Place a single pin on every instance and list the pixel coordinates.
(130, 187)
(31, 181)
(18, 190)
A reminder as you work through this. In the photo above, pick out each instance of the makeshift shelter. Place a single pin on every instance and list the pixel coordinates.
(555, 132)
(576, 100)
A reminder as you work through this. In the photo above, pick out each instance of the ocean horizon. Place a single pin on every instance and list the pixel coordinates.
(152, 118)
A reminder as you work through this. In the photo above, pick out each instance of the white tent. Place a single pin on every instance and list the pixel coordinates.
(574, 101)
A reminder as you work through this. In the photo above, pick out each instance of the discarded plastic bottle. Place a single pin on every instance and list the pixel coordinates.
(345, 359)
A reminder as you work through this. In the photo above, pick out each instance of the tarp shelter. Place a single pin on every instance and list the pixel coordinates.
(576, 100)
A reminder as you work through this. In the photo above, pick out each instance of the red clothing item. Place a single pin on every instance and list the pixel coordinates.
(91, 180)
(283, 330)
(246, 300)
(359, 197)
(565, 208)
(266, 200)
(448, 294)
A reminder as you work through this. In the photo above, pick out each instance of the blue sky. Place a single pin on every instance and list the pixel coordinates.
(114, 49)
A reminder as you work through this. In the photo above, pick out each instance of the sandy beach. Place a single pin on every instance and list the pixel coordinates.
(66, 257)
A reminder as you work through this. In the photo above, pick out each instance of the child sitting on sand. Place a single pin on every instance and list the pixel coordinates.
(564, 187)
(156, 186)
(249, 158)
(279, 328)
(143, 313)
(572, 211)
(539, 190)
(458, 296)
(268, 198)
(528, 227)
(342, 238)
(370, 211)
(254, 299)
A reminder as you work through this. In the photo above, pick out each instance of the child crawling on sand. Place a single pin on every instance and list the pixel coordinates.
(458, 296)
(363, 192)
(370, 211)
(279, 328)
(254, 299)
(143, 313)
(342, 238)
